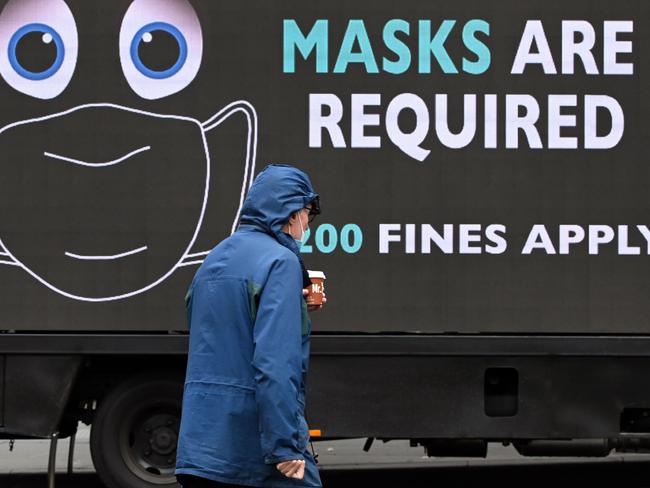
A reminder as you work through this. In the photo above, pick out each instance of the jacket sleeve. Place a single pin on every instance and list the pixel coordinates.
(277, 361)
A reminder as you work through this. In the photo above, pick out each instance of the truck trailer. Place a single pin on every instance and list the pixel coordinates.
(485, 226)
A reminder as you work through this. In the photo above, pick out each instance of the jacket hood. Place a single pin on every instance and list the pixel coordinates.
(278, 191)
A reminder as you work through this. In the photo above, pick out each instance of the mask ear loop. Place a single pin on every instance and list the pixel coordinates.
(249, 168)
(302, 231)
(251, 144)
(5, 257)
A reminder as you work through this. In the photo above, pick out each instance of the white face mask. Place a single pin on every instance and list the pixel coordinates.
(156, 254)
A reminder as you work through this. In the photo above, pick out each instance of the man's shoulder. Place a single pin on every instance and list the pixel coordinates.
(278, 256)
(253, 246)
(273, 255)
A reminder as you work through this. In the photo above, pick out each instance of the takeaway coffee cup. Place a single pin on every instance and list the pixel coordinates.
(317, 288)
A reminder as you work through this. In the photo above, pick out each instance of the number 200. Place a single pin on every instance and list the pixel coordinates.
(326, 239)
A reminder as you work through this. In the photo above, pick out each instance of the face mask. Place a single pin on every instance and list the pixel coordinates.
(113, 255)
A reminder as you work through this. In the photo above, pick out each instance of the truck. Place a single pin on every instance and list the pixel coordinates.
(485, 231)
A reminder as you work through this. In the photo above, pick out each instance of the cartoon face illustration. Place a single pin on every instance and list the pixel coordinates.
(91, 221)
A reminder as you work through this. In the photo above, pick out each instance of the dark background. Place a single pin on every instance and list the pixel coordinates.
(368, 291)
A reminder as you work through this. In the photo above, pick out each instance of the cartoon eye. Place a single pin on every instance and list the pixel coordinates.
(161, 46)
(36, 51)
(39, 38)
(159, 50)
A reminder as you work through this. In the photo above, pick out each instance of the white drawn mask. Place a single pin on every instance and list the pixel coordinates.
(104, 225)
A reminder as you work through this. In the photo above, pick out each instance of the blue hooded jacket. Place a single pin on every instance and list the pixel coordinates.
(244, 397)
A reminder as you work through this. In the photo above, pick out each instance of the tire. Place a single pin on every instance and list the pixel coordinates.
(135, 430)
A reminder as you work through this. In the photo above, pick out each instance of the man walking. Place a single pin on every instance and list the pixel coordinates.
(244, 399)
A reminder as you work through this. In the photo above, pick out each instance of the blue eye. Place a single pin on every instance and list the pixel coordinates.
(36, 51)
(158, 50)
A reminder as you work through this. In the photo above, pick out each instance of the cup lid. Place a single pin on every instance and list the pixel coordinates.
(316, 274)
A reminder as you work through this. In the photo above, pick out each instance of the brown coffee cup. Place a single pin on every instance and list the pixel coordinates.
(316, 289)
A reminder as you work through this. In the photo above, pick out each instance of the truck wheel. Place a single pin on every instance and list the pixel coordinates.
(134, 433)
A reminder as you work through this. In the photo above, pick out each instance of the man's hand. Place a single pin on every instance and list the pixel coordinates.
(314, 308)
(292, 469)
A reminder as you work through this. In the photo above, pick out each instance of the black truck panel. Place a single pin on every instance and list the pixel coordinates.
(110, 199)
(386, 386)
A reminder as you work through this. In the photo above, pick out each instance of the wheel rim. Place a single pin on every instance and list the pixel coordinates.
(147, 442)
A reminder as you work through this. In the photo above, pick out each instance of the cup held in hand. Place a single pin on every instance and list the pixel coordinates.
(316, 289)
